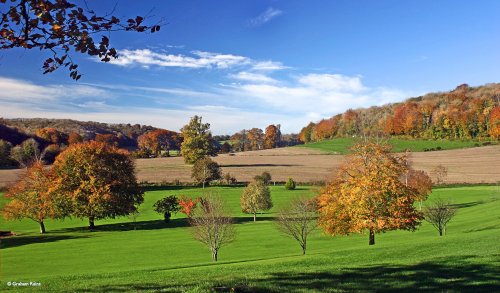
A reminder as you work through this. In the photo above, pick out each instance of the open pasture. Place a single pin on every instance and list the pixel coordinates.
(163, 257)
(341, 145)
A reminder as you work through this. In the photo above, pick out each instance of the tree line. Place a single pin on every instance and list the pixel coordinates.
(464, 113)
(25, 140)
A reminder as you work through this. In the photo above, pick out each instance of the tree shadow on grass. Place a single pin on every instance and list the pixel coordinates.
(152, 225)
(258, 165)
(15, 241)
(467, 204)
(249, 219)
(130, 226)
(432, 276)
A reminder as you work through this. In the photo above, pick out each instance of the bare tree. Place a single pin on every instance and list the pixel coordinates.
(298, 219)
(439, 213)
(439, 172)
(211, 224)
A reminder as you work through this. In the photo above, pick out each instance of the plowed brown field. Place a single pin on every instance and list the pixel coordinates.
(473, 165)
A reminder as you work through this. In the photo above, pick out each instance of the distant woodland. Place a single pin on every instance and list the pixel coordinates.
(463, 113)
(466, 113)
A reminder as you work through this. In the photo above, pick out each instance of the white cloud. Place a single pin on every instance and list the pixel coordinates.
(223, 120)
(268, 66)
(258, 100)
(319, 95)
(180, 92)
(200, 59)
(16, 90)
(253, 77)
(269, 14)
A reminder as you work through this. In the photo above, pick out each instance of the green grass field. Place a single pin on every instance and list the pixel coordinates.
(341, 145)
(164, 257)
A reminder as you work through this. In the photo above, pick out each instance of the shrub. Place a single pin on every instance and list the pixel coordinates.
(290, 184)
(264, 177)
(230, 179)
(167, 206)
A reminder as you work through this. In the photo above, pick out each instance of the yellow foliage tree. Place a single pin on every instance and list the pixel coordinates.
(31, 197)
(367, 194)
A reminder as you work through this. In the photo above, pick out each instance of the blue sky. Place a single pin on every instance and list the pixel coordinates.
(244, 64)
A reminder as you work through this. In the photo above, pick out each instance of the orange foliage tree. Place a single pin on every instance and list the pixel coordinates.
(494, 125)
(421, 182)
(306, 134)
(51, 135)
(367, 194)
(31, 197)
(107, 138)
(187, 204)
(255, 137)
(351, 122)
(272, 137)
(98, 180)
(74, 138)
(327, 128)
(157, 140)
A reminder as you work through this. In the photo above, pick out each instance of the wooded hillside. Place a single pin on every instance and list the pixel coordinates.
(463, 113)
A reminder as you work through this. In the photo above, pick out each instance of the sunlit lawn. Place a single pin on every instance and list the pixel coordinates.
(164, 257)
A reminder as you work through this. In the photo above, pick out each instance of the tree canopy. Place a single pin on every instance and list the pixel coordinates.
(60, 27)
(255, 198)
(99, 181)
(367, 193)
(33, 197)
(197, 140)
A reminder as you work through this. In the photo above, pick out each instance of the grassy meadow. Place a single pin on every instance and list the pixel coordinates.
(163, 257)
(341, 145)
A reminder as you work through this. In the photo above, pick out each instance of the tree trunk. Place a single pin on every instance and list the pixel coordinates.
(42, 227)
(303, 248)
(91, 223)
(254, 217)
(214, 255)
(372, 238)
(203, 184)
(167, 216)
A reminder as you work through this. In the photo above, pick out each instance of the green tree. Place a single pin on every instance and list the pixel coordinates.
(167, 206)
(5, 148)
(98, 180)
(265, 177)
(205, 170)
(27, 153)
(255, 198)
(290, 184)
(197, 141)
